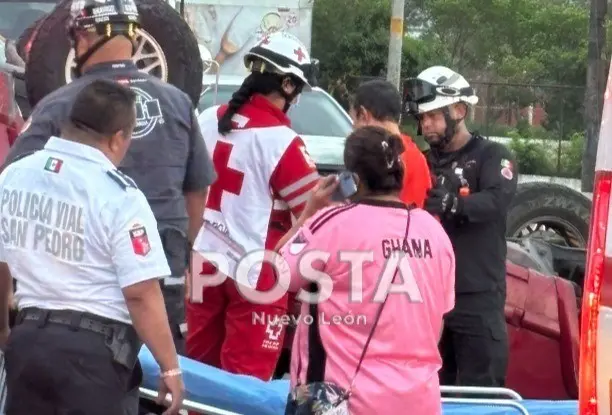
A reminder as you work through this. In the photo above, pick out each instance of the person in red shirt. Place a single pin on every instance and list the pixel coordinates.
(379, 103)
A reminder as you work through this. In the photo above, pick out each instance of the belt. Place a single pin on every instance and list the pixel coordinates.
(73, 319)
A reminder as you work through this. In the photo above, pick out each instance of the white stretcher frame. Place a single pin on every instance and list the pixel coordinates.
(513, 400)
(187, 404)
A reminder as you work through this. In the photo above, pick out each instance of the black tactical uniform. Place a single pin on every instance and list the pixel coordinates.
(474, 344)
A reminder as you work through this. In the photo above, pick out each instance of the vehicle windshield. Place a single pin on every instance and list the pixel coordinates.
(17, 16)
(320, 122)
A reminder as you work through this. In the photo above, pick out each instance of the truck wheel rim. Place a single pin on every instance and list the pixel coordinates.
(149, 58)
(552, 229)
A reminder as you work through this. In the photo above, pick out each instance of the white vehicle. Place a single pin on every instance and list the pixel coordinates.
(317, 117)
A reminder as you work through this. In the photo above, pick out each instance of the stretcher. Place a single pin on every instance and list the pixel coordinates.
(213, 391)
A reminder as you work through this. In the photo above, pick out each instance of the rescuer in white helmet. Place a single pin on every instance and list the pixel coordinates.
(264, 178)
(439, 98)
(475, 183)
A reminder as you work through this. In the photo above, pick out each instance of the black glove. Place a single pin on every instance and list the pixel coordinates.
(448, 180)
(443, 203)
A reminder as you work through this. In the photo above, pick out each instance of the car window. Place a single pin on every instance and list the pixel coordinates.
(325, 150)
(316, 118)
(17, 16)
(317, 114)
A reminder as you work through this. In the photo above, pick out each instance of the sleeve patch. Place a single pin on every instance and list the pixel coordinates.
(122, 179)
(140, 240)
(307, 157)
(298, 244)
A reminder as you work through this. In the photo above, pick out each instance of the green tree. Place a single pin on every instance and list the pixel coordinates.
(350, 38)
(518, 42)
(514, 42)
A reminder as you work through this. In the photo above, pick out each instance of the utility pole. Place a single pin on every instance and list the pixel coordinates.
(394, 63)
(595, 87)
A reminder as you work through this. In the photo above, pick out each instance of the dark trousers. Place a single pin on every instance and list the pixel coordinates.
(474, 343)
(54, 370)
(174, 297)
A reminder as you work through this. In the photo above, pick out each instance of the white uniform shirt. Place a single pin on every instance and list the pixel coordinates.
(74, 231)
(264, 175)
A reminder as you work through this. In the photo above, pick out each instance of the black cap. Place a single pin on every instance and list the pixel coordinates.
(104, 16)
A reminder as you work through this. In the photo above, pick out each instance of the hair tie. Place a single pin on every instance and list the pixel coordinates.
(388, 153)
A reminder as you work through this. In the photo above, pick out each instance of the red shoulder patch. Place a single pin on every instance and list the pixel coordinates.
(140, 240)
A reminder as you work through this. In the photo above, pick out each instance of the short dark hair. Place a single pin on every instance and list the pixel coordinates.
(380, 98)
(104, 107)
(374, 155)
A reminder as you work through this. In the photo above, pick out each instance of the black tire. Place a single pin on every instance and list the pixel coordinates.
(538, 200)
(21, 97)
(25, 37)
(45, 71)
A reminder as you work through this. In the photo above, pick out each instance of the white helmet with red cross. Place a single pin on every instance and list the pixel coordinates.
(285, 54)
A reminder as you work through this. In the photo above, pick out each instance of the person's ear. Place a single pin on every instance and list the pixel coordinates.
(118, 141)
(460, 111)
(288, 86)
(364, 114)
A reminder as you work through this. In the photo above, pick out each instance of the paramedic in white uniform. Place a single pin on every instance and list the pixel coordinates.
(81, 241)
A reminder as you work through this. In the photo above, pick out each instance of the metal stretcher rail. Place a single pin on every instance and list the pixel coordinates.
(513, 400)
(479, 390)
(488, 402)
(187, 404)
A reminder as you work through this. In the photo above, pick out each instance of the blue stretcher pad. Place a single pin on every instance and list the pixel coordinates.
(247, 395)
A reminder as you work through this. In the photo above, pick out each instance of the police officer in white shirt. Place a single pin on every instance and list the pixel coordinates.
(81, 241)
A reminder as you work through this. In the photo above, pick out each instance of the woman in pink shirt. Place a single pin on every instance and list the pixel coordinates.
(358, 252)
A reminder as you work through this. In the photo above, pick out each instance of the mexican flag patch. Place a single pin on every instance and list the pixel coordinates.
(53, 165)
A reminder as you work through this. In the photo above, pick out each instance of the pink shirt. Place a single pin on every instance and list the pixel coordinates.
(399, 373)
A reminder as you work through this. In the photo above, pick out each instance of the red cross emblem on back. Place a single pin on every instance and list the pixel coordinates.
(300, 55)
(265, 40)
(228, 179)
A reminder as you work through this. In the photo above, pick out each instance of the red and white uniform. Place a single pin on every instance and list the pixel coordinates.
(264, 178)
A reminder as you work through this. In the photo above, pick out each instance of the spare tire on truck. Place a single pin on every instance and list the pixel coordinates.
(27, 36)
(551, 211)
(167, 48)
